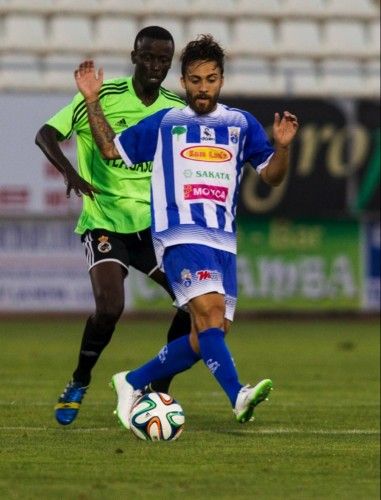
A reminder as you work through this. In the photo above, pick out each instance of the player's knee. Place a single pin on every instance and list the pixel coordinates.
(209, 317)
(108, 311)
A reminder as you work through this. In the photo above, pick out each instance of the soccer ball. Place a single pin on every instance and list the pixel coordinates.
(157, 417)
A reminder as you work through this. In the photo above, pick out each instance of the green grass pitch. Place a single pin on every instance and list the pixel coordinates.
(317, 438)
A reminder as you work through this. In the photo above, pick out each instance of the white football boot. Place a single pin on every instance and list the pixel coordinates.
(249, 397)
(127, 396)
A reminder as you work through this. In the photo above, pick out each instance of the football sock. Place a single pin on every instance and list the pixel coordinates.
(181, 325)
(173, 358)
(93, 342)
(218, 359)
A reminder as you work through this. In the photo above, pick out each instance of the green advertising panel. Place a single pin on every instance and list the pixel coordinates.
(289, 265)
(286, 265)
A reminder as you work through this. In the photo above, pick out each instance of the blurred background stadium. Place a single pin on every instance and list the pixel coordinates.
(309, 248)
(312, 244)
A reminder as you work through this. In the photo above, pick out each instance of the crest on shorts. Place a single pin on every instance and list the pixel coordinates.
(104, 245)
(186, 277)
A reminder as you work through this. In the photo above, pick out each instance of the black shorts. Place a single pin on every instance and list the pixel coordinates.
(135, 249)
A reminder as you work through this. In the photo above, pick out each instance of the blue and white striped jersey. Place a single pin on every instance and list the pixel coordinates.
(197, 168)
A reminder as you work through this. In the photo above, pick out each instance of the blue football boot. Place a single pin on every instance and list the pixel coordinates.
(69, 402)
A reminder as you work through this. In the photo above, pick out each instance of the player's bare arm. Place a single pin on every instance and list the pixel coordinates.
(284, 132)
(89, 82)
(47, 139)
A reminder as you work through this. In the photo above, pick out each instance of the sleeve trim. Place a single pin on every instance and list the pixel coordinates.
(121, 151)
(264, 163)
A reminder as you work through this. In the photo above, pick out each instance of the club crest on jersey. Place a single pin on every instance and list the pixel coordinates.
(206, 153)
(186, 277)
(234, 135)
(104, 245)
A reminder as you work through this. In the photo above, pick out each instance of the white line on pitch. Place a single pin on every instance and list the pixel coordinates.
(312, 432)
(232, 431)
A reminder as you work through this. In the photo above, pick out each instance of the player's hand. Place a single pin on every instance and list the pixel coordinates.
(284, 129)
(75, 182)
(88, 80)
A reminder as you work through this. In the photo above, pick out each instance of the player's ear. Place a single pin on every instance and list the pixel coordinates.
(182, 81)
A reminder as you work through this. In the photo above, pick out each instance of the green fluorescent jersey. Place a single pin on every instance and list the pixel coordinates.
(123, 204)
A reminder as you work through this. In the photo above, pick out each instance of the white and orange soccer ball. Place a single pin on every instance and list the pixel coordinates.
(157, 417)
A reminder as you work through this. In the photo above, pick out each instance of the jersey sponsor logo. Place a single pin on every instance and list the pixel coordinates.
(186, 277)
(145, 166)
(178, 130)
(117, 163)
(205, 191)
(206, 274)
(209, 174)
(206, 153)
(206, 174)
(208, 134)
(203, 275)
(104, 246)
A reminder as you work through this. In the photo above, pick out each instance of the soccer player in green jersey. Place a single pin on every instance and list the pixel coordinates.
(115, 221)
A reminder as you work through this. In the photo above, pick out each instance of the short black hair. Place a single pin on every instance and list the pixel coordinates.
(204, 48)
(154, 32)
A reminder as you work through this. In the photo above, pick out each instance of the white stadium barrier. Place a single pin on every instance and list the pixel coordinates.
(39, 38)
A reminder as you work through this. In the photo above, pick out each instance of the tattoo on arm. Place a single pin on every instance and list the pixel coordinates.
(101, 130)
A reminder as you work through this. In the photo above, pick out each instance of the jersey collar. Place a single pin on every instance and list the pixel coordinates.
(190, 112)
(133, 93)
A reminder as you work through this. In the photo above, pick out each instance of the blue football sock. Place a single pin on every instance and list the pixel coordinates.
(173, 358)
(218, 359)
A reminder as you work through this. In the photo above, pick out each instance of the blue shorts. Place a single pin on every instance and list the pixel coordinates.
(193, 270)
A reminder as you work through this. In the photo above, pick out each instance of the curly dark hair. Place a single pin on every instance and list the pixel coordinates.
(204, 48)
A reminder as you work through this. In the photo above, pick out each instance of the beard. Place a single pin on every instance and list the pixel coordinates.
(204, 106)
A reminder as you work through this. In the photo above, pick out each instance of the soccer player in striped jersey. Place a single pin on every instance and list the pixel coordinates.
(198, 155)
(115, 221)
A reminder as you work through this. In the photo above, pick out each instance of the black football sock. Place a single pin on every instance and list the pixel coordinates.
(94, 340)
(180, 326)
